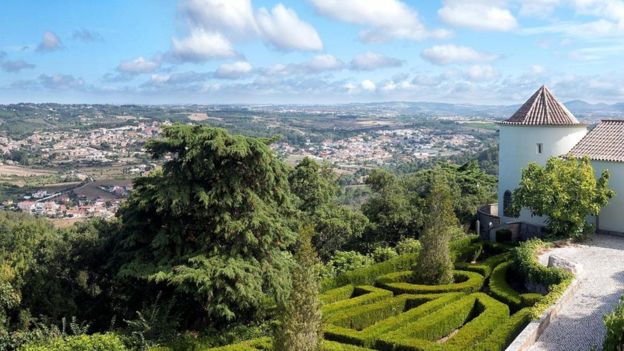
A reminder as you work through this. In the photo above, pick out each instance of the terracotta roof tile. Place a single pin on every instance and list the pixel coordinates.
(604, 143)
(542, 108)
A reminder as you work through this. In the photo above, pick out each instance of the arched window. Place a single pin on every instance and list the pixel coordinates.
(507, 203)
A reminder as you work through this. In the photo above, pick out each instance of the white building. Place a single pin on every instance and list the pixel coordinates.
(543, 128)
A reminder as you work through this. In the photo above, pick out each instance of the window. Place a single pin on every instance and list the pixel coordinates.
(507, 203)
(540, 148)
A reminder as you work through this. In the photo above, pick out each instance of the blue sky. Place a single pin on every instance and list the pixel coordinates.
(309, 51)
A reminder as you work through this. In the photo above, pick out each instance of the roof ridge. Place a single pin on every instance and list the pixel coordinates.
(542, 108)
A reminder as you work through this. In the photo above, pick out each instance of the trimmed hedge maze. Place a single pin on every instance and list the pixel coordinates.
(380, 309)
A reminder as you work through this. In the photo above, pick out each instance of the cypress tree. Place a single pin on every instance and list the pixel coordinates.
(434, 265)
(301, 321)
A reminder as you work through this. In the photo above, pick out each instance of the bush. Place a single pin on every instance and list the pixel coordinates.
(614, 322)
(484, 268)
(95, 342)
(361, 295)
(381, 254)
(408, 246)
(530, 299)
(368, 275)
(503, 235)
(362, 325)
(503, 335)
(500, 289)
(467, 282)
(556, 280)
(346, 261)
(261, 344)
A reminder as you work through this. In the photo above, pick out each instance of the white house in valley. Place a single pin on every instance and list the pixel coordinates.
(542, 128)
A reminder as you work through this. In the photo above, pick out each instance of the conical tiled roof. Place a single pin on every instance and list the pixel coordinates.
(542, 108)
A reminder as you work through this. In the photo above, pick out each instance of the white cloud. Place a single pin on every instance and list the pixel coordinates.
(138, 65)
(214, 25)
(482, 73)
(369, 61)
(384, 19)
(60, 81)
(322, 63)
(49, 42)
(283, 28)
(537, 70)
(368, 85)
(234, 17)
(538, 8)
(446, 54)
(234, 70)
(480, 15)
(201, 45)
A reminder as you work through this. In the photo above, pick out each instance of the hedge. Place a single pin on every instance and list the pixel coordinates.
(484, 268)
(367, 275)
(337, 294)
(505, 334)
(361, 295)
(500, 289)
(461, 249)
(363, 325)
(265, 344)
(432, 328)
(396, 282)
(556, 280)
(475, 315)
(491, 314)
(94, 342)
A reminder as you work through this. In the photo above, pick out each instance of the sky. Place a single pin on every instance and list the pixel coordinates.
(310, 51)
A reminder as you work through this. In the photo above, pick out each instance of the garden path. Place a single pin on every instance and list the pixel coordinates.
(579, 325)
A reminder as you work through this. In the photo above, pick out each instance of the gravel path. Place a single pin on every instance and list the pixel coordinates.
(579, 324)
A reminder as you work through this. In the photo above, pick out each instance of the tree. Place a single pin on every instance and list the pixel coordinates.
(210, 230)
(434, 265)
(315, 187)
(566, 190)
(301, 321)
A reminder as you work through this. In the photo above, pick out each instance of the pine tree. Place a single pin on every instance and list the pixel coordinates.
(434, 265)
(301, 322)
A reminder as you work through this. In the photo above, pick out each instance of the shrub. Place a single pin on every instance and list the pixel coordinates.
(555, 279)
(484, 268)
(530, 299)
(381, 254)
(503, 335)
(398, 283)
(95, 342)
(345, 261)
(503, 235)
(500, 289)
(362, 325)
(261, 344)
(614, 322)
(367, 275)
(361, 295)
(408, 246)
(435, 264)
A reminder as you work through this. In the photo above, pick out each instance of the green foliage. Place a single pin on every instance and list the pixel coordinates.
(300, 322)
(346, 261)
(408, 246)
(210, 230)
(484, 268)
(504, 334)
(397, 208)
(434, 261)
(557, 280)
(614, 323)
(315, 187)
(368, 275)
(565, 190)
(503, 235)
(500, 289)
(95, 342)
(381, 254)
(399, 283)
(361, 295)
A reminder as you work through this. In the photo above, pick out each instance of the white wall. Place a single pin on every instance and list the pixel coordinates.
(518, 147)
(611, 217)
